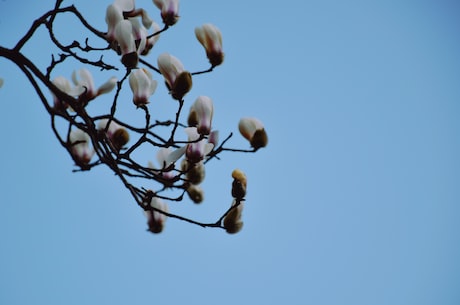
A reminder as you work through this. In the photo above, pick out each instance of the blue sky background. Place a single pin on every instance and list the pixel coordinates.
(356, 200)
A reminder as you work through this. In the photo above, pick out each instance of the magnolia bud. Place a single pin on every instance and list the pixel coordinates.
(195, 192)
(232, 227)
(232, 221)
(156, 219)
(195, 172)
(120, 138)
(211, 39)
(253, 130)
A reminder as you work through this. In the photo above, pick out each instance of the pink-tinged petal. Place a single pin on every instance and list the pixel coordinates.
(79, 141)
(196, 150)
(124, 36)
(204, 109)
(85, 83)
(175, 155)
(65, 86)
(170, 67)
(169, 10)
(107, 86)
(113, 127)
(142, 85)
(113, 15)
(214, 137)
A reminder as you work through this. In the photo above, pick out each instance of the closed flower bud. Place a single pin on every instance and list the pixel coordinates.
(81, 151)
(117, 134)
(169, 10)
(232, 221)
(253, 130)
(203, 109)
(178, 80)
(194, 172)
(211, 39)
(142, 85)
(156, 219)
(195, 192)
(120, 138)
(239, 184)
(125, 38)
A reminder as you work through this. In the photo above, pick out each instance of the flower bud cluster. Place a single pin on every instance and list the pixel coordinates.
(180, 165)
(127, 34)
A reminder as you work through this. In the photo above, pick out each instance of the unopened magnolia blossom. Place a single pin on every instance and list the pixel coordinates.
(178, 80)
(125, 38)
(143, 86)
(155, 219)
(79, 141)
(169, 10)
(211, 39)
(201, 113)
(117, 134)
(232, 221)
(253, 130)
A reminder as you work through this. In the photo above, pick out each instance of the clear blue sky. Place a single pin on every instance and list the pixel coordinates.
(356, 200)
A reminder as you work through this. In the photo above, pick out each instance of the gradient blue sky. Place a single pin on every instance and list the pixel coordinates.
(356, 200)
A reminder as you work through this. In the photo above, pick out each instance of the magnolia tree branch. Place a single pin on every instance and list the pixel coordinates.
(107, 139)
